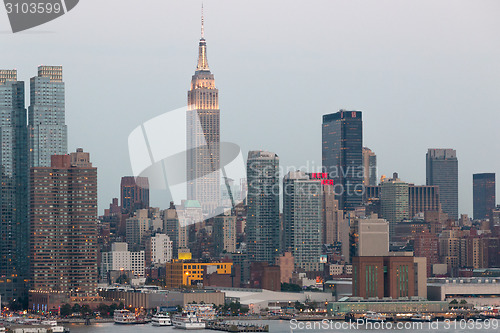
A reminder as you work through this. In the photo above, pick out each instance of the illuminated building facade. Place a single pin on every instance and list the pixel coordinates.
(203, 135)
(189, 273)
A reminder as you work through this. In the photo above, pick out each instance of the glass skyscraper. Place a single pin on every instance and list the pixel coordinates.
(342, 156)
(263, 215)
(442, 170)
(483, 195)
(47, 127)
(14, 230)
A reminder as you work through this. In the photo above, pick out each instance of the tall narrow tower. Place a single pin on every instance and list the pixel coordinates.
(203, 134)
(342, 156)
(47, 127)
(263, 214)
(13, 191)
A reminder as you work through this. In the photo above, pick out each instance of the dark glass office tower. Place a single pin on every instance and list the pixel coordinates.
(134, 192)
(263, 216)
(14, 230)
(342, 156)
(483, 195)
(442, 170)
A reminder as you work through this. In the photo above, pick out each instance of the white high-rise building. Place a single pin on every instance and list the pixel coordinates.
(121, 259)
(303, 219)
(159, 249)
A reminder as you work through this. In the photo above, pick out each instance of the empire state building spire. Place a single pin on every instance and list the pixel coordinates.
(202, 53)
(203, 134)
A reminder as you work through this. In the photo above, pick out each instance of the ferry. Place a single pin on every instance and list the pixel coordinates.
(161, 319)
(421, 317)
(127, 318)
(188, 320)
(374, 317)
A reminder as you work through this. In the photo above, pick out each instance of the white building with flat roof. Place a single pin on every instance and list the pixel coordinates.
(121, 259)
(159, 249)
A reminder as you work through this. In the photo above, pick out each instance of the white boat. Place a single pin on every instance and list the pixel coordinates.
(421, 317)
(124, 317)
(161, 319)
(188, 320)
(53, 326)
(374, 317)
(58, 329)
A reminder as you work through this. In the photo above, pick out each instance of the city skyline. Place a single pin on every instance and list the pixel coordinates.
(85, 116)
(316, 208)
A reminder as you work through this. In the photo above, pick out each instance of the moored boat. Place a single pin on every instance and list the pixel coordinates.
(161, 319)
(421, 317)
(126, 317)
(188, 320)
(54, 328)
(374, 317)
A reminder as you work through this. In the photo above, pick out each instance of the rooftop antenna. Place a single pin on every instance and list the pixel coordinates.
(202, 23)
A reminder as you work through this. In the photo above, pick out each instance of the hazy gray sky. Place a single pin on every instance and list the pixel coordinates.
(424, 73)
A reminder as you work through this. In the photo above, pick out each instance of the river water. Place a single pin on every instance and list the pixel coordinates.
(282, 326)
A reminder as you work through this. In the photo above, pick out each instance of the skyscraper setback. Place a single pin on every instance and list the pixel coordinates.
(342, 156)
(14, 181)
(203, 134)
(47, 127)
(442, 170)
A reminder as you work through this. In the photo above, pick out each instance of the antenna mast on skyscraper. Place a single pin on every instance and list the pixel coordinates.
(202, 23)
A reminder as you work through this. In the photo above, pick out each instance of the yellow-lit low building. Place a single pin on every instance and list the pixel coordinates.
(189, 273)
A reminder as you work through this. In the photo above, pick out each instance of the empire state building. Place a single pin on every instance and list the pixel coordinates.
(203, 135)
